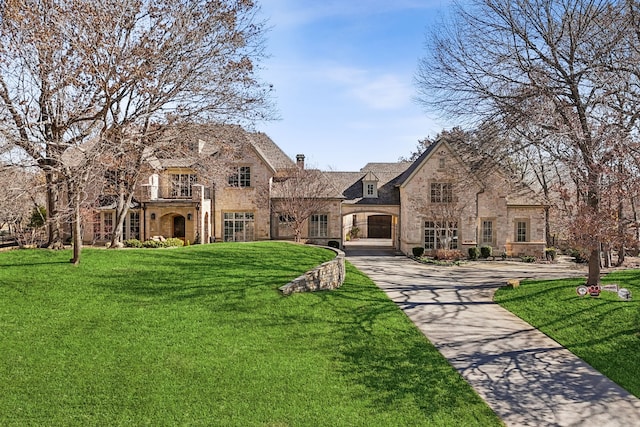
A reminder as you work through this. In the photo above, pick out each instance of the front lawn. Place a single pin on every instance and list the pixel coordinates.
(201, 336)
(603, 331)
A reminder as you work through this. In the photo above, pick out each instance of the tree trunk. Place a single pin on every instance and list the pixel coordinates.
(547, 227)
(76, 231)
(54, 235)
(122, 208)
(621, 235)
(594, 267)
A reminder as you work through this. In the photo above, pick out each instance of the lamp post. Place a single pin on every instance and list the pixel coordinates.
(197, 222)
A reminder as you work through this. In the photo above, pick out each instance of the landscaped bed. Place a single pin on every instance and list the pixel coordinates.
(603, 331)
(201, 335)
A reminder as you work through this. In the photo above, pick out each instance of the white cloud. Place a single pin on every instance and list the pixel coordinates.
(385, 91)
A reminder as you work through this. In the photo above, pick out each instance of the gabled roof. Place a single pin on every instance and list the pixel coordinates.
(273, 155)
(323, 186)
(211, 137)
(350, 184)
(410, 171)
(475, 162)
(370, 177)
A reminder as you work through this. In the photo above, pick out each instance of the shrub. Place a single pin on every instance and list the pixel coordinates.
(528, 258)
(579, 256)
(151, 244)
(418, 251)
(333, 244)
(354, 232)
(474, 252)
(132, 243)
(448, 255)
(173, 241)
(485, 251)
(550, 254)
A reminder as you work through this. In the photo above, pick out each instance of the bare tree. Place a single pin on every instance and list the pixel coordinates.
(20, 201)
(541, 64)
(77, 72)
(300, 194)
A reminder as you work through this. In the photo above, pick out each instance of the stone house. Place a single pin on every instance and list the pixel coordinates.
(446, 199)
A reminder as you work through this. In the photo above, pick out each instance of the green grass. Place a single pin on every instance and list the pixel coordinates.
(201, 336)
(603, 331)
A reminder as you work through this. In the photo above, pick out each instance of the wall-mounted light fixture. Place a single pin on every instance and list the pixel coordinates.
(153, 216)
(189, 216)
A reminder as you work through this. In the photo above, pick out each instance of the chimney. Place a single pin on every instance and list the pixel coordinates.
(300, 160)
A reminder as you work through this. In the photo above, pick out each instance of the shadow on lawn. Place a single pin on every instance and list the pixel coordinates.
(383, 351)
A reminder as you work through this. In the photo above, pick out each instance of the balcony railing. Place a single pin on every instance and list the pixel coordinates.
(195, 192)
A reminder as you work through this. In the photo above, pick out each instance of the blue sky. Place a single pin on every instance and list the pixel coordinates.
(343, 73)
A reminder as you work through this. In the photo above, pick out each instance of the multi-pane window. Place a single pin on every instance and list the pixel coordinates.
(108, 224)
(441, 235)
(97, 235)
(181, 184)
(238, 226)
(441, 192)
(487, 232)
(134, 225)
(371, 190)
(318, 225)
(521, 231)
(241, 177)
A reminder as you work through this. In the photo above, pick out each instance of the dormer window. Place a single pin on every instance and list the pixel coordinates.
(370, 186)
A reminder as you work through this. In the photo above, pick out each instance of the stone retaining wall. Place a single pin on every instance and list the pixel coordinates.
(329, 275)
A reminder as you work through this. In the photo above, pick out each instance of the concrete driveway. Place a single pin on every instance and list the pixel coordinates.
(526, 378)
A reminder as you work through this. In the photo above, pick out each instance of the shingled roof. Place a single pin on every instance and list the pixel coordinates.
(211, 137)
(351, 183)
(270, 152)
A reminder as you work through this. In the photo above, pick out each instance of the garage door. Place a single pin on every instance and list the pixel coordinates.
(379, 227)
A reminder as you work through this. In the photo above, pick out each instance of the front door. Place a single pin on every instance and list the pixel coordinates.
(179, 227)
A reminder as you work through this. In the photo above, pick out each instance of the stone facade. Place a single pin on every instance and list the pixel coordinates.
(443, 200)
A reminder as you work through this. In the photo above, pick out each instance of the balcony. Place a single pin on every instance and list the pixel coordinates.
(193, 192)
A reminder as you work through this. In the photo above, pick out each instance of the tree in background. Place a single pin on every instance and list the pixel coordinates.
(298, 195)
(563, 69)
(73, 74)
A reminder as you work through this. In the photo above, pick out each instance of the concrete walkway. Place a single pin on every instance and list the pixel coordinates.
(526, 378)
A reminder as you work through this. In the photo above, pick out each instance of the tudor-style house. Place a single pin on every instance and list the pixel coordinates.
(446, 199)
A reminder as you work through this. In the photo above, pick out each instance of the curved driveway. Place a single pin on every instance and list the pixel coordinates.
(526, 378)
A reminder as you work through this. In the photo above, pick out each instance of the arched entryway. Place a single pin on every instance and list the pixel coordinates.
(179, 227)
(368, 228)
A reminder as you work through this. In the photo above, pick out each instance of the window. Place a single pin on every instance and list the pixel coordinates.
(442, 162)
(371, 190)
(521, 231)
(108, 225)
(96, 226)
(441, 235)
(318, 226)
(441, 192)
(487, 232)
(134, 225)
(285, 219)
(241, 177)
(238, 226)
(181, 184)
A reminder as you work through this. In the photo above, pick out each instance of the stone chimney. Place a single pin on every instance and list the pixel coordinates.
(300, 160)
